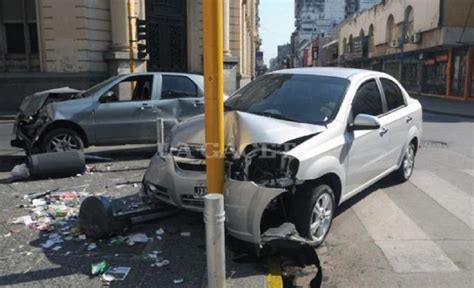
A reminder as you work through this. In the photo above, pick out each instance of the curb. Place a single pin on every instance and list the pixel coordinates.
(448, 113)
(7, 117)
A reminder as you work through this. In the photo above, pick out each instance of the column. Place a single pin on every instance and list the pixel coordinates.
(468, 76)
(119, 23)
(226, 16)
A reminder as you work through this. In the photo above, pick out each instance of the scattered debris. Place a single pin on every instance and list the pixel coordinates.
(25, 220)
(115, 274)
(57, 248)
(138, 238)
(99, 268)
(92, 246)
(185, 234)
(178, 281)
(53, 239)
(67, 253)
(19, 172)
(160, 231)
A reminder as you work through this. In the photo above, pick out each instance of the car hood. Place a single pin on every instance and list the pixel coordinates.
(242, 129)
(33, 103)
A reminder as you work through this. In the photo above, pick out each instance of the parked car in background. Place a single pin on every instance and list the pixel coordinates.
(299, 142)
(121, 110)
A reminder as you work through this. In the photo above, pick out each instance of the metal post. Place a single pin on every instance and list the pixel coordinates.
(214, 120)
(214, 99)
(214, 218)
(160, 135)
(131, 17)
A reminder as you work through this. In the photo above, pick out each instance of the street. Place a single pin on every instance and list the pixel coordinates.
(418, 234)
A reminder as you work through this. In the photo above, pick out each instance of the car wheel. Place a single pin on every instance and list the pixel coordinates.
(61, 139)
(312, 212)
(408, 164)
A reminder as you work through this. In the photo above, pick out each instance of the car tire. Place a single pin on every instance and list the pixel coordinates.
(407, 166)
(61, 139)
(309, 206)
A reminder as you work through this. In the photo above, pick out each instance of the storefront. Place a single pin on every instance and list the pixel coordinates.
(434, 73)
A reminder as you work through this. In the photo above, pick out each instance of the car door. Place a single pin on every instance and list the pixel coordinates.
(367, 148)
(126, 113)
(180, 98)
(397, 119)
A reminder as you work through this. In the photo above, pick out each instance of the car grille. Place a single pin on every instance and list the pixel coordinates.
(189, 200)
(190, 164)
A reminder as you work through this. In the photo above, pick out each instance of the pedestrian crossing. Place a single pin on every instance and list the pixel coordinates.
(405, 245)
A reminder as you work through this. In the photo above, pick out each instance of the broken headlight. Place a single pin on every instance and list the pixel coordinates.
(266, 167)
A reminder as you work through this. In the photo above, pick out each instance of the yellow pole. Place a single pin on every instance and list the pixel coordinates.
(131, 62)
(214, 90)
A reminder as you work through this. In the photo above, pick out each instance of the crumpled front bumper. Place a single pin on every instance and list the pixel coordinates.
(244, 201)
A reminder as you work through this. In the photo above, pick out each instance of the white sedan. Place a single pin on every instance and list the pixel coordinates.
(299, 142)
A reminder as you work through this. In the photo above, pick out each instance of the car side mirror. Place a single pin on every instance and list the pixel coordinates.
(364, 122)
(108, 97)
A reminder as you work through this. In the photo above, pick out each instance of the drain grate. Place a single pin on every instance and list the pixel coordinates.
(433, 144)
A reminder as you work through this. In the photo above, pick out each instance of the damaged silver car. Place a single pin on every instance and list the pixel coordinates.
(121, 110)
(299, 142)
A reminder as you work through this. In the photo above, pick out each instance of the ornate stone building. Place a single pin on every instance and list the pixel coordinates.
(76, 43)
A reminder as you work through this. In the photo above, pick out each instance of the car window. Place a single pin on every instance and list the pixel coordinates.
(368, 100)
(393, 94)
(293, 97)
(177, 87)
(135, 88)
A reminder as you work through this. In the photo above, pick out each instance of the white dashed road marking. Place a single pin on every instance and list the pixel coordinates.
(405, 245)
(448, 196)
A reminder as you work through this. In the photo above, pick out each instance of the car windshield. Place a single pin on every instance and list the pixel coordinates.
(293, 97)
(97, 87)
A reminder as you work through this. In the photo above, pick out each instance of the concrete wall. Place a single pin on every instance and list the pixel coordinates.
(74, 35)
(15, 86)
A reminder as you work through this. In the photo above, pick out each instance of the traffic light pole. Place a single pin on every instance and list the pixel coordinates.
(214, 214)
(130, 37)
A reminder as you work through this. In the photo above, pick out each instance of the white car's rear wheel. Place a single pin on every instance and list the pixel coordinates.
(408, 164)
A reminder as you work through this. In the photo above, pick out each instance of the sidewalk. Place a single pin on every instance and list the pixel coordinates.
(446, 106)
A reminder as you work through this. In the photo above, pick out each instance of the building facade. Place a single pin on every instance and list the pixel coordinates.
(77, 43)
(426, 44)
(314, 23)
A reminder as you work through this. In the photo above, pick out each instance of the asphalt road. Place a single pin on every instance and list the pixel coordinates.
(417, 234)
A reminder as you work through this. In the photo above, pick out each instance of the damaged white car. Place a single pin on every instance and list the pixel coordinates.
(299, 142)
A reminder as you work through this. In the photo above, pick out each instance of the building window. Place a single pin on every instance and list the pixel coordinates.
(391, 36)
(15, 38)
(19, 35)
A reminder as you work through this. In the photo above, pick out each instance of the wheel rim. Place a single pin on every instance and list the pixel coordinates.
(63, 142)
(321, 217)
(409, 161)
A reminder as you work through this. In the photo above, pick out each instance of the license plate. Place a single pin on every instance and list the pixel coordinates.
(200, 192)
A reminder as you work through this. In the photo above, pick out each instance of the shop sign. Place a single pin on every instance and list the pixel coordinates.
(442, 58)
(429, 62)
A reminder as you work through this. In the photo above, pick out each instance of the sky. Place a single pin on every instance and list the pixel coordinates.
(276, 25)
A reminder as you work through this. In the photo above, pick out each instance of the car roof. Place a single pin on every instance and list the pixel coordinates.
(340, 72)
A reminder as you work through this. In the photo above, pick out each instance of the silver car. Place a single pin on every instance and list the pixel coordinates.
(299, 142)
(121, 110)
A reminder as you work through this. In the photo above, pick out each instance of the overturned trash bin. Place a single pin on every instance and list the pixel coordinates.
(57, 164)
(101, 217)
